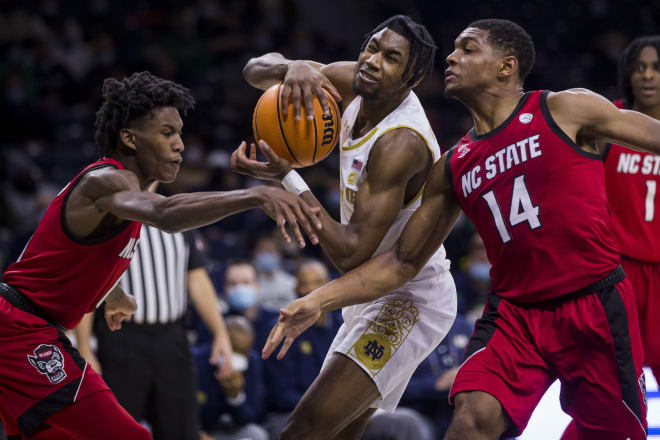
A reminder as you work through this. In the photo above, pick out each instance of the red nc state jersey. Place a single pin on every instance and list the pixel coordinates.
(65, 276)
(538, 202)
(632, 180)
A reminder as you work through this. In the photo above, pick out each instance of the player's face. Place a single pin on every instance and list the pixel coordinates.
(472, 64)
(158, 144)
(645, 78)
(380, 66)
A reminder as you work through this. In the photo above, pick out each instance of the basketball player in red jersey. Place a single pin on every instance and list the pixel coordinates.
(84, 242)
(632, 180)
(531, 179)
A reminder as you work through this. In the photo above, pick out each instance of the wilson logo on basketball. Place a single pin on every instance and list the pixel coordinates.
(328, 129)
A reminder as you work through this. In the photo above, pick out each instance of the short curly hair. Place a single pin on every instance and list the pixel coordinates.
(422, 46)
(627, 62)
(131, 98)
(512, 40)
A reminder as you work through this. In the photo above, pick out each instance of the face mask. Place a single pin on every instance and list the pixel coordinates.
(479, 271)
(267, 261)
(241, 297)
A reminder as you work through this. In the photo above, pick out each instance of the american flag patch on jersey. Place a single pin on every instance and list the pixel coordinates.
(357, 165)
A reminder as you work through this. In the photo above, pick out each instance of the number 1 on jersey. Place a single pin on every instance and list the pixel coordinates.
(649, 203)
(522, 209)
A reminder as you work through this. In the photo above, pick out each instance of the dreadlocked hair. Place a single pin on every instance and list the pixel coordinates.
(422, 46)
(133, 97)
(512, 40)
(627, 62)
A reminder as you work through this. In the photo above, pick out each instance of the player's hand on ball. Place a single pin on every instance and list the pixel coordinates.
(303, 80)
(294, 319)
(286, 208)
(244, 161)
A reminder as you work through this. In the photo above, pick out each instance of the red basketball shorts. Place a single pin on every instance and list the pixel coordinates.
(591, 343)
(645, 279)
(40, 372)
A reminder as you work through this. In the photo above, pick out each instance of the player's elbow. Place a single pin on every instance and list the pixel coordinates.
(255, 70)
(404, 264)
(248, 70)
(345, 265)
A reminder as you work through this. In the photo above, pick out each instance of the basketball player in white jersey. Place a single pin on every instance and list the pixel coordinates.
(387, 148)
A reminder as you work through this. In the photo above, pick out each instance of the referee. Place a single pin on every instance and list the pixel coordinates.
(147, 363)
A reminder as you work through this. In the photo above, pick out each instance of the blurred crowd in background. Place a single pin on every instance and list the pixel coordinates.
(56, 53)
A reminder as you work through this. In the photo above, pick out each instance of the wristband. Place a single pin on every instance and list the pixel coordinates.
(293, 183)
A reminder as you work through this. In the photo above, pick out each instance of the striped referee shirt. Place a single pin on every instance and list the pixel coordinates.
(158, 274)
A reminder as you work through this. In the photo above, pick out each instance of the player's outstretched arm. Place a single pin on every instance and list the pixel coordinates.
(424, 233)
(589, 115)
(118, 192)
(302, 79)
(396, 158)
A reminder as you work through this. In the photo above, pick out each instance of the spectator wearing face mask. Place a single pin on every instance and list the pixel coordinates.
(231, 407)
(277, 285)
(242, 292)
(288, 379)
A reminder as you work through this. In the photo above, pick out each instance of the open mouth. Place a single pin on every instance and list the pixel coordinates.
(367, 77)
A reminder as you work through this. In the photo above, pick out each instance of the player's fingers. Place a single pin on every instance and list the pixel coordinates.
(270, 154)
(286, 91)
(303, 220)
(323, 100)
(296, 102)
(242, 150)
(113, 322)
(108, 320)
(285, 347)
(273, 341)
(293, 224)
(313, 213)
(309, 101)
(285, 313)
(253, 152)
(281, 224)
(233, 161)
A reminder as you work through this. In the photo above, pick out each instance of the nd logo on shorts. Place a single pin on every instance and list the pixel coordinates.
(48, 360)
(385, 334)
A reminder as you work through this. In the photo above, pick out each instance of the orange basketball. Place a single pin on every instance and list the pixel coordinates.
(304, 142)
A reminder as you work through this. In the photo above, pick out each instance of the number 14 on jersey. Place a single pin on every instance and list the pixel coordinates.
(522, 209)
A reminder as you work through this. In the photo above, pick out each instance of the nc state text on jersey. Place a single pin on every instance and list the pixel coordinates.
(632, 163)
(503, 160)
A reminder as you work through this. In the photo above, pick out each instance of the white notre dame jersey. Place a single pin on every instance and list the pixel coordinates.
(354, 155)
(390, 336)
